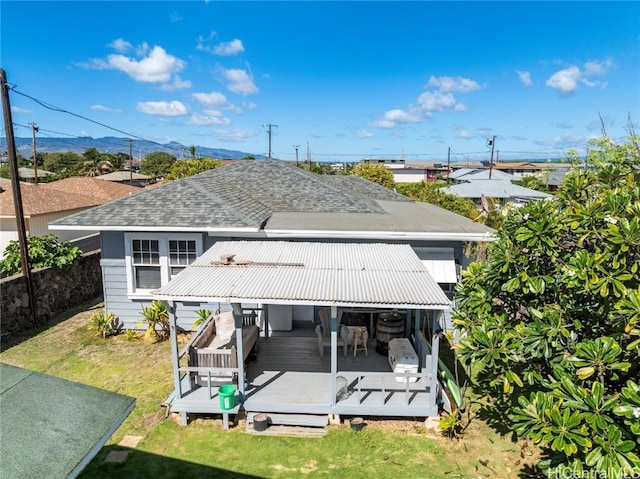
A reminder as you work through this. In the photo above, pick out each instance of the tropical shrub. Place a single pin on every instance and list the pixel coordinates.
(156, 317)
(105, 324)
(43, 251)
(375, 173)
(203, 316)
(432, 193)
(185, 168)
(552, 318)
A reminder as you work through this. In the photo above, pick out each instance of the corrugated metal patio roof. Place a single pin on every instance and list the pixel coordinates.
(278, 272)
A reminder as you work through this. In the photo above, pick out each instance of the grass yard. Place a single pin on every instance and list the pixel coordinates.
(142, 369)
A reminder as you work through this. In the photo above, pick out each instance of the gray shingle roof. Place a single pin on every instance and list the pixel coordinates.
(269, 194)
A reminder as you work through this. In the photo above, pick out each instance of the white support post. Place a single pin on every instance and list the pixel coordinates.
(175, 360)
(237, 316)
(334, 353)
(435, 351)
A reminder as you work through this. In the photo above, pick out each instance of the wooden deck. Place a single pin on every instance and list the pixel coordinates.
(288, 376)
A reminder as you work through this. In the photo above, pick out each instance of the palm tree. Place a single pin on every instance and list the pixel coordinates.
(95, 163)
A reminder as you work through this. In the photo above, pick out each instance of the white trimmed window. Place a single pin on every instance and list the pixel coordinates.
(154, 259)
(181, 254)
(146, 263)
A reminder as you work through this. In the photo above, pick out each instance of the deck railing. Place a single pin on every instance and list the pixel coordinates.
(211, 374)
(383, 377)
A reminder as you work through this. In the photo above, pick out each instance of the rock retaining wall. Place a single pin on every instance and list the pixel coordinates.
(55, 291)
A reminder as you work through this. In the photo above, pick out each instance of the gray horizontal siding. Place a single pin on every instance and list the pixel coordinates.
(117, 301)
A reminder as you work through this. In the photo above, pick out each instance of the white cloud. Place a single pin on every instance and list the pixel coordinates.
(17, 109)
(162, 108)
(239, 81)
(227, 49)
(234, 135)
(453, 84)
(439, 98)
(215, 100)
(177, 84)
(201, 42)
(105, 108)
(120, 45)
(249, 105)
(142, 49)
(364, 134)
(393, 117)
(205, 120)
(596, 67)
(174, 17)
(525, 77)
(465, 135)
(565, 82)
(436, 101)
(157, 67)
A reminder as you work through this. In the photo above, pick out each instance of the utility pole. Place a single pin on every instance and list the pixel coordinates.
(308, 156)
(296, 148)
(492, 144)
(269, 126)
(448, 162)
(34, 128)
(15, 186)
(130, 141)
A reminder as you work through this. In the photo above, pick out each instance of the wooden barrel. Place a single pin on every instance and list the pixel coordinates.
(386, 330)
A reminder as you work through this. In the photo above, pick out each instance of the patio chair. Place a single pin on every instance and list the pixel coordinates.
(323, 330)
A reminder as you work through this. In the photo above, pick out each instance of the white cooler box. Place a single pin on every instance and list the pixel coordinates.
(403, 358)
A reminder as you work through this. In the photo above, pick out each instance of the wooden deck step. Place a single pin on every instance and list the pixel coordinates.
(306, 420)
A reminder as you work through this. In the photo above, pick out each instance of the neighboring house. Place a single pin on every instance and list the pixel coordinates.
(411, 171)
(46, 202)
(502, 190)
(520, 169)
(29, 174)
(462, 176)
(302, 243)
(126, 177)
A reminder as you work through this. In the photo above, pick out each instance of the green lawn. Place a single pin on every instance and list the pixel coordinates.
(203, 449)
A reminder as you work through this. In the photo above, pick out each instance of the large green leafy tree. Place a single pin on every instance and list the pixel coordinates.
(552, 319)
(431, 193)
(184, 168)
(43, 251)
(157, 163)
(63, 164)
(374, 172)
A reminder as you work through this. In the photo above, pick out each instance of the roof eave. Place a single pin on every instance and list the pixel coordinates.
(380, 235)
(152, 229)
(301, 302)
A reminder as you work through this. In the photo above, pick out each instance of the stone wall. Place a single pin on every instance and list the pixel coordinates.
(55, 291)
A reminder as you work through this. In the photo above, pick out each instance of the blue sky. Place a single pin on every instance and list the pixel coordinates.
(348, 79)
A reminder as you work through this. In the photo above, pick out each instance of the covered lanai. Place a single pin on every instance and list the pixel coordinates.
(333, 276)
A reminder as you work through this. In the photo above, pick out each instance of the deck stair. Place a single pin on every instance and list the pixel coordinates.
(291, 424)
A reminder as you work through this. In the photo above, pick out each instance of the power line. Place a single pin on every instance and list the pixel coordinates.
(62, 110)
(362, 155)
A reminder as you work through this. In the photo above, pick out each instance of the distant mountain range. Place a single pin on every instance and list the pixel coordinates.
(110, 144)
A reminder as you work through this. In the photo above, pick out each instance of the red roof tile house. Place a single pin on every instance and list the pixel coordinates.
(46, 202)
